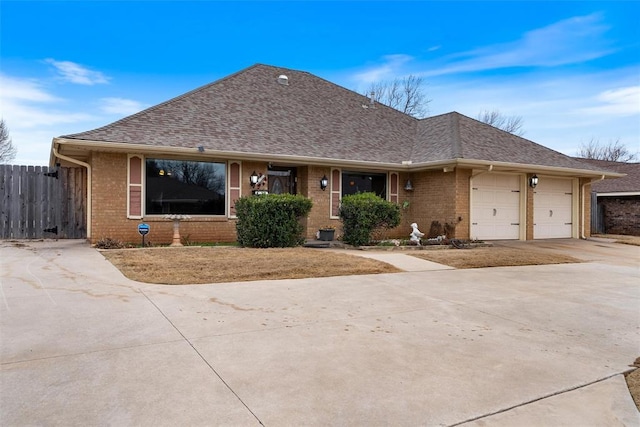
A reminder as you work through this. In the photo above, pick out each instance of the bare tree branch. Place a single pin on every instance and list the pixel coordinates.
(406, 95)
(613, 151)
(511, 124)
(7, 150)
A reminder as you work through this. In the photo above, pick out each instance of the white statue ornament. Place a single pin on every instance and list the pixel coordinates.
(415, 234)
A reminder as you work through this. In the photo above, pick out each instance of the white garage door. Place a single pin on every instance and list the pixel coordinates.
(495, 209)
(552, 208)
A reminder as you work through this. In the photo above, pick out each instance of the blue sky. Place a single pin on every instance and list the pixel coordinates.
(570, 69)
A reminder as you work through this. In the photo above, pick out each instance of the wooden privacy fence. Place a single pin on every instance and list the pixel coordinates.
(42, 202)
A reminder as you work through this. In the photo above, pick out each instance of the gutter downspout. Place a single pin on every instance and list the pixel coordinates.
(88, 166)
(582, 236)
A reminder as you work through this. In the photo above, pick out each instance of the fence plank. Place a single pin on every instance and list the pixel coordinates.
(40, 200)
(52, 209)
(6, 174)
(31, 202)
(17, 228)
(4, 195)
(29, 190)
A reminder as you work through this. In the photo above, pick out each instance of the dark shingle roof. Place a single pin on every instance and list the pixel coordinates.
(455, 136)
(626, 184)
(250, 112)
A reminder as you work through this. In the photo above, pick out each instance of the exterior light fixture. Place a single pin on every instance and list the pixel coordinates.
(201, 148)
(533, 181)
(324, 182)
(253, 179)
(408, 186)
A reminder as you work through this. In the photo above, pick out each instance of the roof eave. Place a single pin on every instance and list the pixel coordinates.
(194, 154)
(533, 168)
(617, 193)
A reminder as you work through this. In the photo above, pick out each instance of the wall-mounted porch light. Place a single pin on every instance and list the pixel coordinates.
(253, 179)
(533, 181)
(408, 186)
(324, 182)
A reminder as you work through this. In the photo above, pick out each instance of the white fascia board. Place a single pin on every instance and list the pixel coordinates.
(618, 194)
(194, 153)
(531, 168)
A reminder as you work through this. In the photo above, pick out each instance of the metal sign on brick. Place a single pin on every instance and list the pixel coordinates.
(143, 228)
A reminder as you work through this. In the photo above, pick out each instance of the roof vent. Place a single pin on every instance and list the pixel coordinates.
(283, 80)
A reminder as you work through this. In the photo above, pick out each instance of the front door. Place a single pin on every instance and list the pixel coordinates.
(282, 180)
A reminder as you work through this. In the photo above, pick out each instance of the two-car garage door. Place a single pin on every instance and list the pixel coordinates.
(498, 204)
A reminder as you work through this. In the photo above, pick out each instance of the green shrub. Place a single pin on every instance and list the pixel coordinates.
(271, 221)
(362, 213)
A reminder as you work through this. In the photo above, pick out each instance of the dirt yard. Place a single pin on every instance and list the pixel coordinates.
(196, 265)
(492, 257)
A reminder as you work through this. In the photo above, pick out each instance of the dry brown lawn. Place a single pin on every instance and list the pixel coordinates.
(619, 238)
(196, 265)
(633, 382)
(492, 257)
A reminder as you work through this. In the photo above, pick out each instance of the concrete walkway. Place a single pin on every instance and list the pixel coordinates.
(401, 260)
(540, 345)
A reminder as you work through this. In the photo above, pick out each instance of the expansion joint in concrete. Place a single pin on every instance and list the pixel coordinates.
(202, 357)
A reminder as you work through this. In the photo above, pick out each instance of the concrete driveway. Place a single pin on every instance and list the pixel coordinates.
(539, 345)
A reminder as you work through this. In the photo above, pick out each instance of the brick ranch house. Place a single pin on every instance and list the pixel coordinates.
(195, 154)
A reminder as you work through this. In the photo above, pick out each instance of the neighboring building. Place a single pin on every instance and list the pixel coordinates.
(616, 203)
(291, 129)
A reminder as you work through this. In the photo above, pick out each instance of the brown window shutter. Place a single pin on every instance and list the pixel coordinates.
(336, 190)
(135, 187)
(393, 187)
(235, 172)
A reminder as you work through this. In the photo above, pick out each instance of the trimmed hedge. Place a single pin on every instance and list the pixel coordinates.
(362, 213)
(271, 220)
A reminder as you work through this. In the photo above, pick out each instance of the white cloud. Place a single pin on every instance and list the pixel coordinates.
(78, 74)
(570, 41)
(391, 68)
(617, 102)
(121, 106)
(23, 89)
(21, 105)
(34, 116)
(574, 40)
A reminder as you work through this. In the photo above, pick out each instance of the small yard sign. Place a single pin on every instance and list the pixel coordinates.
(143, 229)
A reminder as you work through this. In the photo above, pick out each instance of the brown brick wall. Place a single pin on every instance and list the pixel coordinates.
(621, 215)
(463, 204)
(109, 209)
(437, 196)
(309, 186)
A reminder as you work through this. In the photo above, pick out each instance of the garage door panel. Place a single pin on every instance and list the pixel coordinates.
(496, 207)
(553, 209)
